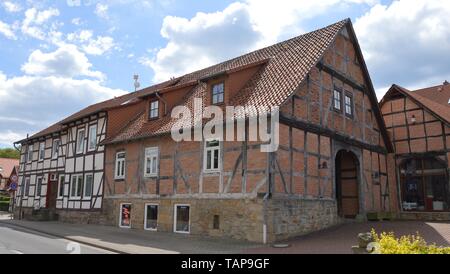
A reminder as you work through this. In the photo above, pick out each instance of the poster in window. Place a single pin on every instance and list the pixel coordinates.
(125, 220)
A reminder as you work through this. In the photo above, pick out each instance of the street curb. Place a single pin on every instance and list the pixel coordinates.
(67, 238)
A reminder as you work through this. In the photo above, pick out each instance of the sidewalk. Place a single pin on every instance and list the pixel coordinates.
(134, 241)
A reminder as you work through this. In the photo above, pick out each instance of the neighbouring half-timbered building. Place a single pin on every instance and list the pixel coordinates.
(419, 125)
(61, 172)
(332, 163)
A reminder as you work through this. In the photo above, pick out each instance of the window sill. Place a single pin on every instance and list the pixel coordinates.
(212, 171)
(119, 179)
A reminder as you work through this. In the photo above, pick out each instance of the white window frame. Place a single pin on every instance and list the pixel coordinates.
(151, 152)
(84, 186)
(41, 152)
(76, 186)
(337, 99)
(151, 110)
(80, 149)
(117, 168)
(348, 105)
(38, 194)
(175, 219)
(26, 188)
(120, 215)
(219, 95)
(145, 217)
(91, 128)
(55, 154)
(30, 153)
(61, 185)
(205, 157)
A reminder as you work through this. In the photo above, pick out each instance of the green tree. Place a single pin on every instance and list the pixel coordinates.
(9, 153)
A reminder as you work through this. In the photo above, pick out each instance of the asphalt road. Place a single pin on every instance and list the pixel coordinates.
(16, 240)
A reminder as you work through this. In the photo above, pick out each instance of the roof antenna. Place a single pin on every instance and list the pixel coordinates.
(136, 82)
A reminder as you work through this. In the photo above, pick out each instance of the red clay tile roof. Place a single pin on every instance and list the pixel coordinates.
(7, 166)
(285, 66)
(434, 99)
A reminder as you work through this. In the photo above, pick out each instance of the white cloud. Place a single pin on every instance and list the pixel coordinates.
(66, 61)
(31, 103)
(34, 23)
(7, 31)
(77, 21)
(93, 46)
(101, 10)
(73, 3)
(11, 6)
(406, 42)
(208, 38)
(99, 46)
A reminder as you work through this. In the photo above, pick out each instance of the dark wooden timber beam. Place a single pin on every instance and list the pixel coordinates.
(313, 128)
(340, 76)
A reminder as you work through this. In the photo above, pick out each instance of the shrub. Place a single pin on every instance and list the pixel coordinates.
(409, 244)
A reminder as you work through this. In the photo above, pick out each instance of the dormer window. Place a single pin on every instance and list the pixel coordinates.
(218, 91)
(154, 110)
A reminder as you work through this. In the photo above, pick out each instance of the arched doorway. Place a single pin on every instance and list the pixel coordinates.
(347, 184)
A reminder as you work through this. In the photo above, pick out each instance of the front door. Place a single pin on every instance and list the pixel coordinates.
(52, 191)
(347, 190)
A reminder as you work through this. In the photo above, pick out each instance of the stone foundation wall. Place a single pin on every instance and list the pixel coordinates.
(238, 218)
(290, 217)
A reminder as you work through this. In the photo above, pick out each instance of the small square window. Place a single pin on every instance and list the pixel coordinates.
(154, 110)
(218, 91)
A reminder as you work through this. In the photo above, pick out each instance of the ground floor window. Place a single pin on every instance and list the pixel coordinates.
(424, 185)
(125, 215)
(182, 218)
(151, 216)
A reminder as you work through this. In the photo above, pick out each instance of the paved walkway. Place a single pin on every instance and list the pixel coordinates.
(338, 240)
(135, 241)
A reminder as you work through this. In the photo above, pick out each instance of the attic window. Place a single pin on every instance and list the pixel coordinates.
(154, 110)
(218, 93)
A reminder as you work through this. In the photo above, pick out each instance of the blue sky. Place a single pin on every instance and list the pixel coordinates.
(60, 56)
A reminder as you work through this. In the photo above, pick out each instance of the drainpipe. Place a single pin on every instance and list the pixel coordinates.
(267, 196)
(22, 190)
(164, 101)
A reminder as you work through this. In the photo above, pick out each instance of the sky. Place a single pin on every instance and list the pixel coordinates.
(57, 57)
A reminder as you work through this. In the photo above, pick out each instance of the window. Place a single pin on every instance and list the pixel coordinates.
(88, 184)
(348, 105)
(151, 162)
(154, 110)
(41, 151)
(125, 216)
(80, 140)
(39, 187)
(212, 156)
(55, 148)
(30, 153)
(424, 184)
(27, 187)
(76, 186)
(337, 100)
(218, 93)
(182, 218)
(92, 140)
(120, 166)
(151, 217)
(61, 183)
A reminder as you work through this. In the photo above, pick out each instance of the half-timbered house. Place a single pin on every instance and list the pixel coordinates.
(419, 125)
(332, 162)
